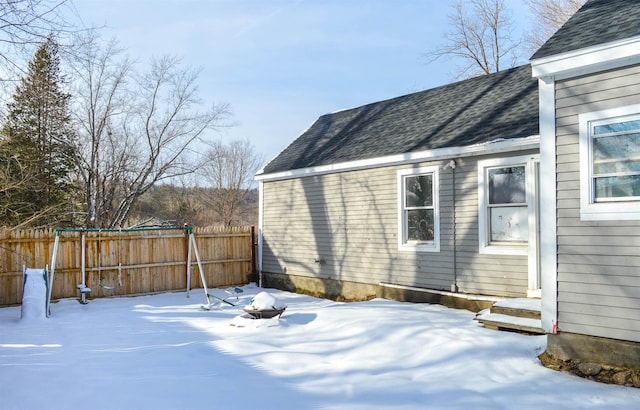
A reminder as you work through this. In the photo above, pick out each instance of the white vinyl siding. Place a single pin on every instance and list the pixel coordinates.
(598, 260)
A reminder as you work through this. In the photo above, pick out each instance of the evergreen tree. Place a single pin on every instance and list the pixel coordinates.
(36, 157)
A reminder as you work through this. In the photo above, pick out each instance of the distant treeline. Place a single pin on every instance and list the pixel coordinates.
(178, 205)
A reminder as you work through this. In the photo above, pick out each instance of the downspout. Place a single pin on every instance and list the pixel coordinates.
(454, 287)
(452, 164)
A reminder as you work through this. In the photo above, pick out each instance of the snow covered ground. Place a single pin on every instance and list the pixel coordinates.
(164, 352)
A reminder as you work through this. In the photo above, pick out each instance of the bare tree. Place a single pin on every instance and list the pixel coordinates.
(549, 16)
(101, 73)
(481, 37)
(169, 204)
(24, 25)
(14, 177)
(136, 129)
(229, 171)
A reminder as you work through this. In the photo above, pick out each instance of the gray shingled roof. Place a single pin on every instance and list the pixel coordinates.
(597, 22)
(479, 110)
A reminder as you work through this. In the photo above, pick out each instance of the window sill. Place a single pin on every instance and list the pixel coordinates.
(504, 250)
(621, 215)
(405, 247)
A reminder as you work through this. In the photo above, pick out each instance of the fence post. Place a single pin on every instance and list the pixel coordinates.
(186, 245)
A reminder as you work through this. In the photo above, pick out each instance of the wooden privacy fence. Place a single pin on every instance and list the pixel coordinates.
(126, 262)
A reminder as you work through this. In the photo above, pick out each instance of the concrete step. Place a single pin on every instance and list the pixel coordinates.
(515, 315)
(526, 308)
(497, 321)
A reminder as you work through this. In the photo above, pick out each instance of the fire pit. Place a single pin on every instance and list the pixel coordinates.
(264, 306)
(264, 313)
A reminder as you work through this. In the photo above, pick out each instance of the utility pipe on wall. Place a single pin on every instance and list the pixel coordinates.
(452, 164)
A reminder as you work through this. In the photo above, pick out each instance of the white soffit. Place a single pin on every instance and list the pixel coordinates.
(588, 60)
(498, 146)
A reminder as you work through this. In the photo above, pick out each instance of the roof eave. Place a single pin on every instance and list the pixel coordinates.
(588, 60)
(493, 147)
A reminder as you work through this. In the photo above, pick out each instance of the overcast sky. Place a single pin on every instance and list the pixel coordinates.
(280, 64)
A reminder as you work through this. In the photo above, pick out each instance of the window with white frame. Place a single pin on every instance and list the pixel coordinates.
(610, 164)
(506, 204)
(418, 217)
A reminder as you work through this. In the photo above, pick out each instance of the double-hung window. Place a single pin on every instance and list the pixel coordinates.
(610, 164)
(418, 217)
(506, 204)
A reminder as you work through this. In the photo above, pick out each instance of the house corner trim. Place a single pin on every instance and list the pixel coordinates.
(548, 212)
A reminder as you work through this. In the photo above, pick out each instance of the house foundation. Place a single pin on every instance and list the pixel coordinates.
(595, 358)
(319, 287)
(570, 346)
(454, 300)
(355, 291)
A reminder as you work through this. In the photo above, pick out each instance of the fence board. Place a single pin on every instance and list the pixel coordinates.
(125, 262)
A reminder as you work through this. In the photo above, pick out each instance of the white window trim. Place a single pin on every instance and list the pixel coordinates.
(419, 247)
(485, 247)
(589, 209)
